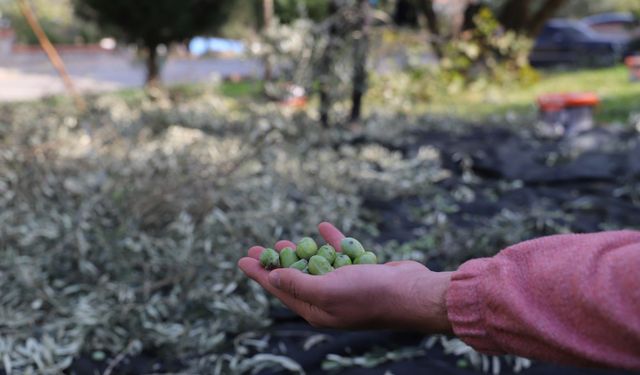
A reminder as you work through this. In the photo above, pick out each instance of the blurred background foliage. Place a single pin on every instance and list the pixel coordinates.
(62, 26)
(58, 20)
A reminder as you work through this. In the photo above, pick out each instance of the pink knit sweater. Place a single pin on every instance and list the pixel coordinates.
(572, 299)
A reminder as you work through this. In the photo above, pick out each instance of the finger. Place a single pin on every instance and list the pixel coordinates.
(254, 270)
(285, 243)
(299, 285)
(255, 251)
(331, 234)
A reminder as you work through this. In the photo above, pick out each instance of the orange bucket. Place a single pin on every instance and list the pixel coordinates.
(567, 113)
(559, 101)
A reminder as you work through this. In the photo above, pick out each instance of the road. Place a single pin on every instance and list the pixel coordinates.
(27, 76)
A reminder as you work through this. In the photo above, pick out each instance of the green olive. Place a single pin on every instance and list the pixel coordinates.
(352, 247)
(341, 261)
(270, 259)
(306, 248)
(367, 258)
(300, 265)
(288, 257)
(319, 265)
(328, 252)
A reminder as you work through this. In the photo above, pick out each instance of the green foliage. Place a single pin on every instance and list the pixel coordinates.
(120, 231)
(57, 20)
(419, 90)
(150, 23)
(484, 62)
(290, 10)
(320, 57)
(487, 54)
(243, 19)
(127, 239)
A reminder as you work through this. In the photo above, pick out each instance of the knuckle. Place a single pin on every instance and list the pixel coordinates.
(314, 316)
(292, 288)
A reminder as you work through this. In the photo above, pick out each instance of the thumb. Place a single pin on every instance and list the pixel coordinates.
(297, 284)
(331, 234)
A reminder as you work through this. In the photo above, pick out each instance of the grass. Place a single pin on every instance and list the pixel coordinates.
(241, 88)
(619, 97)
(182, 92)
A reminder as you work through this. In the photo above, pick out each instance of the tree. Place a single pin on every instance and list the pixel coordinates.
(527, 16)
(152, 23)
(347, 37)
(289, 10)
(427, 10)
(360, 50)
(326, 62)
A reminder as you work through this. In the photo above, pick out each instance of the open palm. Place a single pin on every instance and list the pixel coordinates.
(402, 295)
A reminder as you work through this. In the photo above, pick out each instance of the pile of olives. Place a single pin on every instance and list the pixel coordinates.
(308, 258)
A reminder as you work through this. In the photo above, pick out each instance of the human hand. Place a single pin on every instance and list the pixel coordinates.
(398, 295)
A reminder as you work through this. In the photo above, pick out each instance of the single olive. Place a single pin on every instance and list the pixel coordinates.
(328, 252)
(367, 258)
(352, 247)
(300, 265)
(306, 248)
(342, 260)
(319, 265)
(288, 257)
(270, 259)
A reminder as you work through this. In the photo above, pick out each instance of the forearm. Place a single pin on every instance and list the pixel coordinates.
(570, 299)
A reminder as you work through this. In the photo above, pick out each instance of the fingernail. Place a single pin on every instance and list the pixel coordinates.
(274, 279)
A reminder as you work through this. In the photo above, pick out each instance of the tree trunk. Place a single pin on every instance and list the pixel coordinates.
(326, 63)
(537, 21)
(515, 15)
(153, 68)
(267, 16)
(360, 61)
(470, 12)
(324, 108)
(426, 7)
(404, 13)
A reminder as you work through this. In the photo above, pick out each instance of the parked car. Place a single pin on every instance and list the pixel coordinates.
(573, 42)
(618, 24)
(621, 23)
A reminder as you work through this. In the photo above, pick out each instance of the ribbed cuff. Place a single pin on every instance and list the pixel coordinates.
(466, 308)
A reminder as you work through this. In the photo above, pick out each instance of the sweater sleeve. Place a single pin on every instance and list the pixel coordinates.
(571, 299)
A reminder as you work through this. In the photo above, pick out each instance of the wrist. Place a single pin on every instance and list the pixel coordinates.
(430, 298)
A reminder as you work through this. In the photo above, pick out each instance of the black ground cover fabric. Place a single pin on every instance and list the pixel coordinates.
(580, 176)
